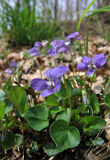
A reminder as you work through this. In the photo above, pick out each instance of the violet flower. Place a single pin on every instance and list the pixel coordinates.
(13, 67)
(63, 45)
(69, 39)
(58, 47)
(90, 65)
(35, 51)
(52, 84)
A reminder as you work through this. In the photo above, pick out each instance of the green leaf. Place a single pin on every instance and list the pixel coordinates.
(2, 94)
(93, 124)
(76, 92)
(55, 109)
(2, 110)
(68, 83)
(62, 93)
(37, 117)
(83, 14)
(65, 115)
(8, 105)
(52, 100)
(19, 139)
(6, 123)
(17, 96)
(99, 141)
(99, 10)
(11, 140)
(80, 109)
(94, 104)
(50, 149)
(107, 100)
(63, 135)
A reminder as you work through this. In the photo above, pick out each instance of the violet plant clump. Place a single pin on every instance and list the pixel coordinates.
(70, 113)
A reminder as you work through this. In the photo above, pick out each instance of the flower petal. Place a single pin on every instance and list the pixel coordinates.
(34, 54)
(82, 67)
(9, 71)
(59, 71)
(97, 57)
(86, 60)
(48, 74)
(67, 43)
(55, 73)
(39, 84)
(73, 35)
(62, 49)
(54, 42)
(85, 99)
(57, 85)
(47, 92)
(13, 64)
(60, 43)
(44, 43)
(90, 72)
(79, 38)
(32, 50)
(66, 51)
(51, 52)
(37, 44)
(100, 62)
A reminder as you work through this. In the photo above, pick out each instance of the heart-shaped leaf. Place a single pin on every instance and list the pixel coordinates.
(52, 100)
(37, 117)
(92, 124)
(55, 109)
(64, 115)
(107, 100)
(63, 135)
(52, 150)
(17, 96)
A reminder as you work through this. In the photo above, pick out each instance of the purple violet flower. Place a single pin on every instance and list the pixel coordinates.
(52, 84)
(69, 39)
(58, 47)
(63, 45)
(35, 51)
(90, 65)
(13, 66)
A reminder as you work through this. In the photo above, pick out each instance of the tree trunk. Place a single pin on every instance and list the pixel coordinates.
(55, 9)
(77, 10)
(99, 3)
(17, 6)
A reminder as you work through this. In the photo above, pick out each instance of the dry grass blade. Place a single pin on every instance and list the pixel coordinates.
(101, 152)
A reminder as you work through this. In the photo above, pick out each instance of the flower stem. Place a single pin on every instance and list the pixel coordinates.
(68, 95)
(72, 62)
(14, 73)
(91, 110)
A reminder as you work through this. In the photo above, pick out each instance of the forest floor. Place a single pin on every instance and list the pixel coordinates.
(96, 45)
